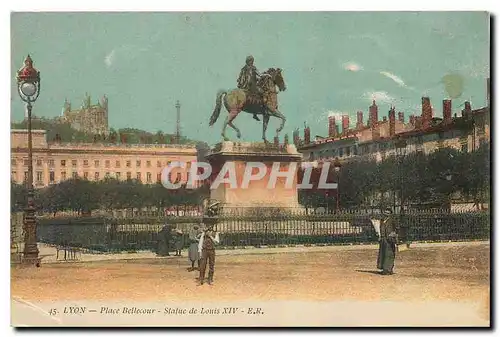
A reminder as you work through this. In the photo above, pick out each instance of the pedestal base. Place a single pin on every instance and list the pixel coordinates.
(259, 193)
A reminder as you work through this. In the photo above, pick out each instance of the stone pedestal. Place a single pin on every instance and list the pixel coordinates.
(257, 194)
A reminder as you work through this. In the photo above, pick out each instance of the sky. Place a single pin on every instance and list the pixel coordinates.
(333, 63)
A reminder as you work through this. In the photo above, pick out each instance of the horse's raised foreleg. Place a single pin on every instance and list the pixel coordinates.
(276, 113)
(265, 122)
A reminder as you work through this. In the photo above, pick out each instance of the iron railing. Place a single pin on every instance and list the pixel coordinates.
(262, 227)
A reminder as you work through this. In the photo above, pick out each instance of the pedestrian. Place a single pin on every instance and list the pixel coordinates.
(206, 247)
(164, 236)
(193, 254)
(387, 244)
(179, 242)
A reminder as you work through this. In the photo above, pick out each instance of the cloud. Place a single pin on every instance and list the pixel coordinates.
(393, 77)
(352, 66)
(110, 58)
(379, 96)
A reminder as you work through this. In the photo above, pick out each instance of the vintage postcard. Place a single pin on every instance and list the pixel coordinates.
(250, 169)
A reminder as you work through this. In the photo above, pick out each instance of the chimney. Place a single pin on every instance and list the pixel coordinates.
(401, 117)
(392, 122)
(345, 124)
(373, 115)
(331, 126)
(466, 112)
(412, 120)
(307, 135)
(359, 120)
(296, 139)
(426, 112)
(446, 111)
(418, 122)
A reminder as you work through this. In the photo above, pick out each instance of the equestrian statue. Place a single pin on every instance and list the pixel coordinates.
(256, 94)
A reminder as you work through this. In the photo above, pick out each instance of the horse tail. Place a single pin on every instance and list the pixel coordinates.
(218, 106)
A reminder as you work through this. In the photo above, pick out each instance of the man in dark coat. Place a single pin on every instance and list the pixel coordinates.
(164, 238)
(387, 244)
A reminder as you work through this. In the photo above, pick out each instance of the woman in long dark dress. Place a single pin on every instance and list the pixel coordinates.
(387, 244)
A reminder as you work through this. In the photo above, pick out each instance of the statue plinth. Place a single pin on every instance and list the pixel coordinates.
(258, 193)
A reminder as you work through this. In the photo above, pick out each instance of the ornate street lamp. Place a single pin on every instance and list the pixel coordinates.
(28, 85)
(336, 166)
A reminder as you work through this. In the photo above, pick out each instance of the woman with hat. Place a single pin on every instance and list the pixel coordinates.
(193, 254)
(387, 244)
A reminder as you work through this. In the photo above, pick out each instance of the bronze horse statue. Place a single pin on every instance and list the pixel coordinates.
(238, 100)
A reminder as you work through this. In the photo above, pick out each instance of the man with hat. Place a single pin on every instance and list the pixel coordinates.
(387, 243)
(206, 247)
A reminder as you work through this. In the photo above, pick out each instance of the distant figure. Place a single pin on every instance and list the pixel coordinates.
(179, 242)
(193, 254)
(387, 244)
(206, 247)
(164, 238)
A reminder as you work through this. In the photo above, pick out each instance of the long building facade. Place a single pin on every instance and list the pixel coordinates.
(55, 162)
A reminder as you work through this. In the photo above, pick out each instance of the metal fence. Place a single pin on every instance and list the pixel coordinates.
(262, 227)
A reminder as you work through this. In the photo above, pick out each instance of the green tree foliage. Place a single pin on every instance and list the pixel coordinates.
(420, 178)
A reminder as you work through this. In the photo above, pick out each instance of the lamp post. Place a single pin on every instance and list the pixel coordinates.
(336, 166)
(28, 86)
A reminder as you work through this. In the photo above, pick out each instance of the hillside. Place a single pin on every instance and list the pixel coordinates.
(66, 133)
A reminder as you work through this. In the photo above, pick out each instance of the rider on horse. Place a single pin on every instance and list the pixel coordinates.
(248, 79)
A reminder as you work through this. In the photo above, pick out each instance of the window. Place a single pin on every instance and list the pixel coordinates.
(158, 163)
(13, 175)
(39, 176)
(74, 175)
(63, 163)
(26, 162)
(85, 175)
(138, 163)
(348, 151)
(63, 175)
(139, 176)
(52, 176)
(39, 162)
(158, 178)
(129, 175)
(148, 177)
(85, 163)
(129, 163)
(148, 163)
(13, 162)
(96, 176)
(51, 163)
(107, 163)
(107, 175)
(118, 175)
(73, 163)
(96, 163)
(341, 152)
(117, 164)
(26, 176)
